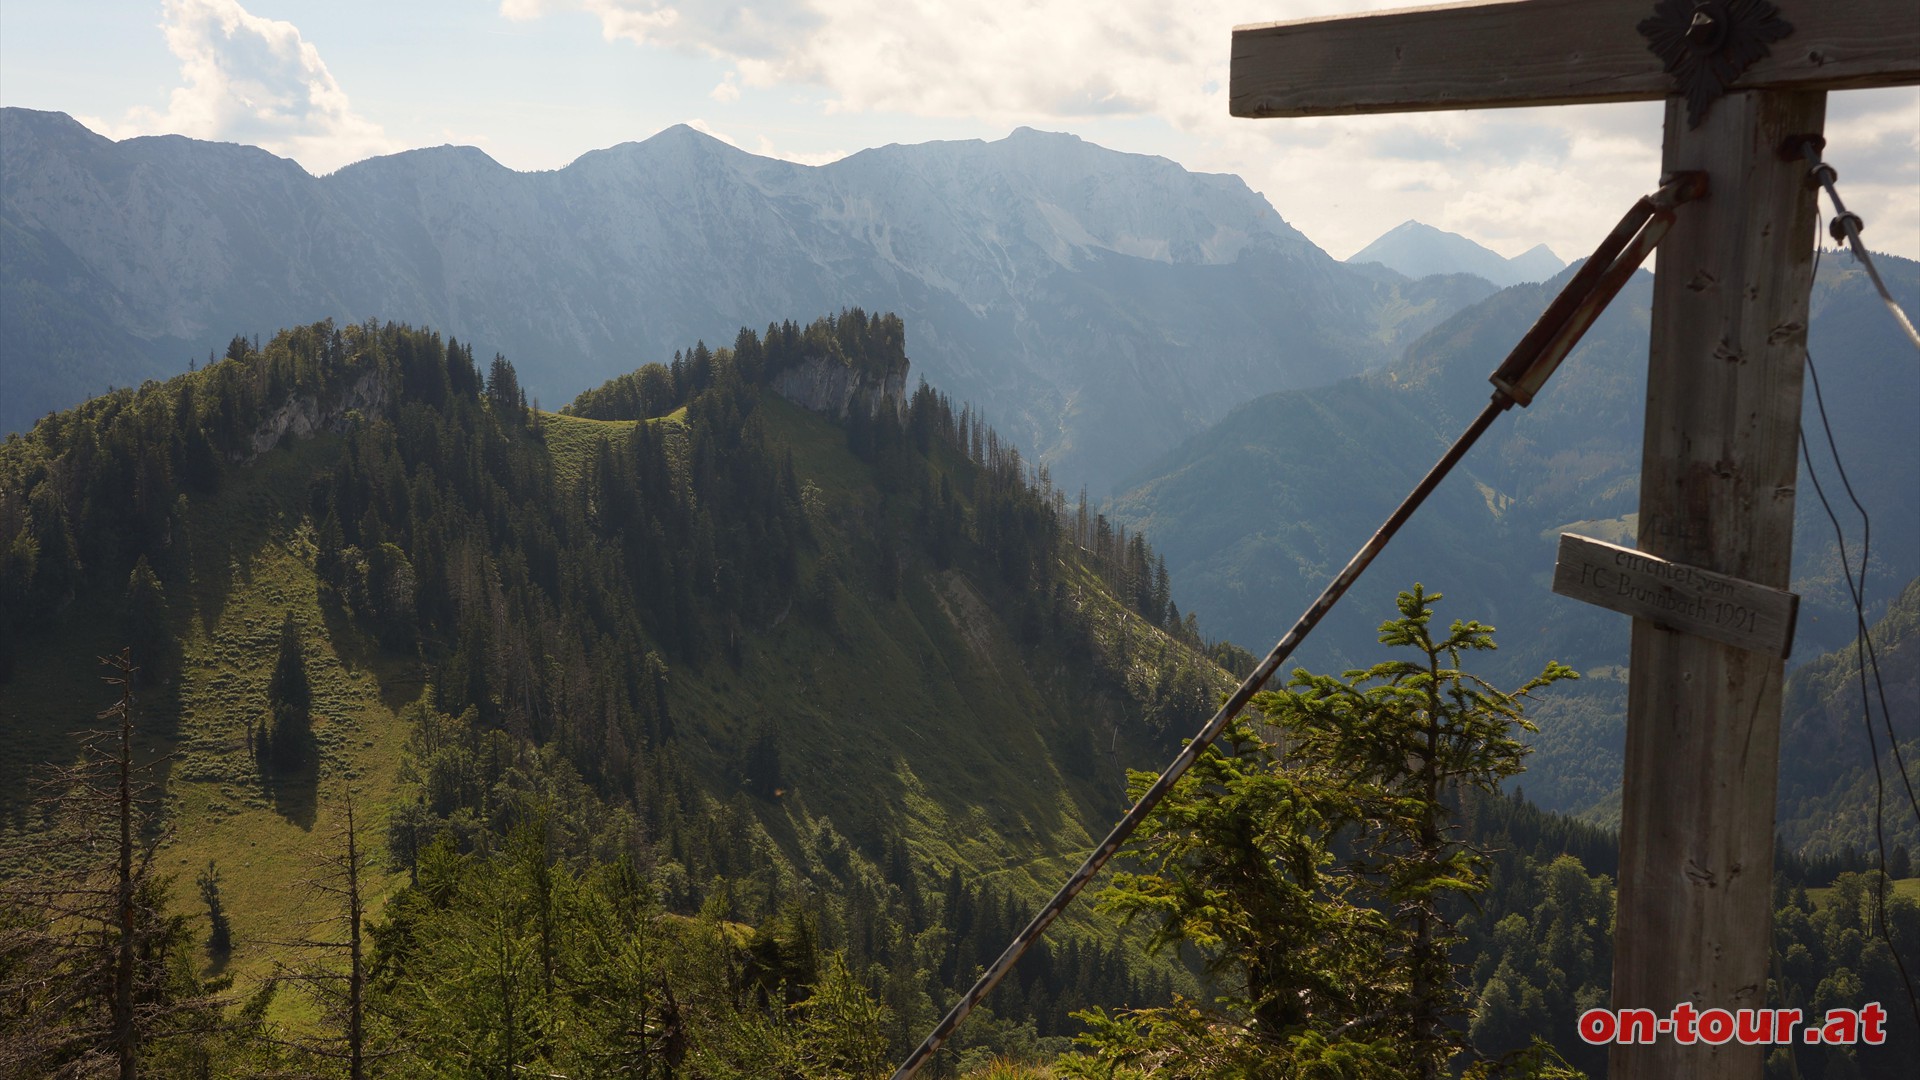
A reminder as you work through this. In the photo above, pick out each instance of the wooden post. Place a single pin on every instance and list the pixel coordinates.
(1717, 491)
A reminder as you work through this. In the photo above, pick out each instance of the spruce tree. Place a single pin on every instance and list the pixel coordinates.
(333, 969)
(1315, 873)
(1406, 734)
(92, 967)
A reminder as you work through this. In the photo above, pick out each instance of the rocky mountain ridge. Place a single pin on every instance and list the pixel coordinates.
(1099, 306)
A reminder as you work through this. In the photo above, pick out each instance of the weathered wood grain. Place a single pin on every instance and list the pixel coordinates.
(1718, 473)
(1540, 52)
(1676, 596)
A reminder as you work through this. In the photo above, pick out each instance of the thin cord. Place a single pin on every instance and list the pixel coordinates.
(1864, 657)
(1873, 743)
(1864, 635)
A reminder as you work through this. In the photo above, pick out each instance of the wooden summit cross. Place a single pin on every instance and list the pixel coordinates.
(1745, 84)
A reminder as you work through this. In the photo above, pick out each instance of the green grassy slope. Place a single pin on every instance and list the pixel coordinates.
(571, 440)
(1828, 783)
(251, 555)
(1904, 887)
(992, 756)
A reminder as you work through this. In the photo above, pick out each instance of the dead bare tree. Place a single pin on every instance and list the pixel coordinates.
(335, 971)
(86, 947)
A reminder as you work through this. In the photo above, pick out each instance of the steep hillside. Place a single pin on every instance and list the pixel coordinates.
(854, 663)
(1312, 472)
(1829, 784)
(1098, 306)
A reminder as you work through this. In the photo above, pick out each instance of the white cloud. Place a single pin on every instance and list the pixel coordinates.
(961, 58)
(824, 157)
(254, 80)
(1509, 178)
(705, 128)
(723, 29)
(1873, 142)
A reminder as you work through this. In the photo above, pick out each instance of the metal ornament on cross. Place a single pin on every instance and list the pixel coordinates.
(1745, 82)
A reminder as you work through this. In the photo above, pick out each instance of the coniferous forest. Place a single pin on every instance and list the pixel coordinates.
(725, 723)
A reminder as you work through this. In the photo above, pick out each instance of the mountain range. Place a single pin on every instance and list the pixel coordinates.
(761, 668)
(1098, 306)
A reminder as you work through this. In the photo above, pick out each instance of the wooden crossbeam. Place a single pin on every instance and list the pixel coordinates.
(1540, 52)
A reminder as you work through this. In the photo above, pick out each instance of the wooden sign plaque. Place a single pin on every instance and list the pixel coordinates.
(1675, 595)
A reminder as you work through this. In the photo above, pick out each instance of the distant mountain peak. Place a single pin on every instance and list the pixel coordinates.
(1418, 250)
(426, 164)
(680, 140)
(682, 133)
(443, 152)
(1537, 263)
(47, 120)
(1035, 134)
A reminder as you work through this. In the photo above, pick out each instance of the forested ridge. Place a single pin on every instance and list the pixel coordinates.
(545, 620)
(690, 733)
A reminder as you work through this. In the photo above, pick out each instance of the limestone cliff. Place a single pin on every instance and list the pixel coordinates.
(304, 414)
(827, 386)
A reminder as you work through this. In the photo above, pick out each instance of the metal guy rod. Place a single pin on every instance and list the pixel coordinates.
(1551, 338)
(1846, 227)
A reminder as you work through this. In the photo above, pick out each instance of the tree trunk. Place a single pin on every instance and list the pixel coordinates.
(356, 976)
(123, 1032)
(1425, 1022)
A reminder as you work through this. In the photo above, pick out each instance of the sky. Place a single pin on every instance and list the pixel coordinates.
(537, 83)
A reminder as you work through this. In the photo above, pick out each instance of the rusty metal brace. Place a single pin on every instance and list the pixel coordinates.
(1517, 380)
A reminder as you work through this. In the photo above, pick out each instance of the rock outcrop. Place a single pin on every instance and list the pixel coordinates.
(826, 386)
(304, 414)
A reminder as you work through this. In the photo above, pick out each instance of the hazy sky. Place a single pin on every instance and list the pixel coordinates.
(536, 83)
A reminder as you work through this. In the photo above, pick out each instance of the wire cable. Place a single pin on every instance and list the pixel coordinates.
(1864, 634)
(1846, 227)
